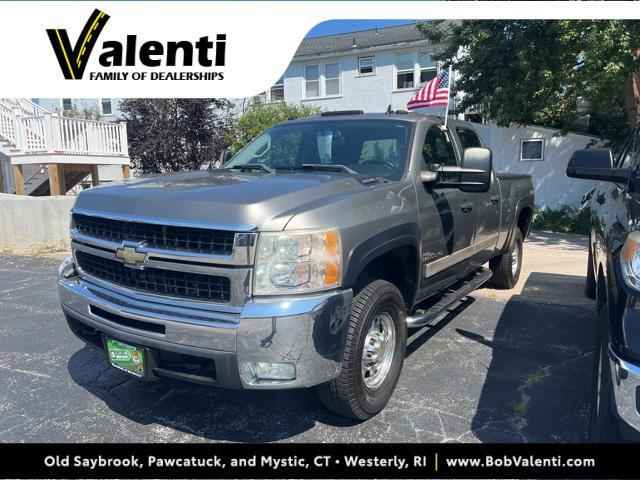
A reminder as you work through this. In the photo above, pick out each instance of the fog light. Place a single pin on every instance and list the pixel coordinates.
(67, 269)
(256, 371)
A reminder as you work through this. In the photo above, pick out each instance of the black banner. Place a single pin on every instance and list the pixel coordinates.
(318, 461)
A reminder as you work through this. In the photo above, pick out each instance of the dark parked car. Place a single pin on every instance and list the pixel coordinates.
(613, 279)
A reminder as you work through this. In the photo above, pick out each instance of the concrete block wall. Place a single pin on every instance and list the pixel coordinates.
(34, 224)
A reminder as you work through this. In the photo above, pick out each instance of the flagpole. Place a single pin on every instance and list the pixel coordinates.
(446, 111)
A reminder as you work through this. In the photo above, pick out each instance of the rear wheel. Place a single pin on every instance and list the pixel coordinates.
(374, 353)
(506, 267)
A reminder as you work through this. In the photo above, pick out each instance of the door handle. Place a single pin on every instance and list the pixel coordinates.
(600, 198)
(495, 199)
(466, 207)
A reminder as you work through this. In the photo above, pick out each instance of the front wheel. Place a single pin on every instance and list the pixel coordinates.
(506, 267)
(374, 353)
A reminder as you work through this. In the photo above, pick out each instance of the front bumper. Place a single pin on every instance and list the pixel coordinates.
(626, 388)
(308, 331)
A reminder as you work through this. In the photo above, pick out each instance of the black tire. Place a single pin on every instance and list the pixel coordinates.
(504, 275)
(349, 395)
(590, 284)
(603, 423)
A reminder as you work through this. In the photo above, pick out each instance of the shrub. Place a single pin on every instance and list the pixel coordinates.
(566, 219)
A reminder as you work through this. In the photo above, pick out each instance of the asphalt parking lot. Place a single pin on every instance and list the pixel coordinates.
(501, 367)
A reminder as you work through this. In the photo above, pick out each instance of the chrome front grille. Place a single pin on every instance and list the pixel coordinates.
(194, 286)
(179, 238)
(190, 266)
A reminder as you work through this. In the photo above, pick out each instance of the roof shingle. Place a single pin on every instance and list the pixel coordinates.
(353, 41)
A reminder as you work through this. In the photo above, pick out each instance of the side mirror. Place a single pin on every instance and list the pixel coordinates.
(225, 156)
(595, 164)
(475, 174)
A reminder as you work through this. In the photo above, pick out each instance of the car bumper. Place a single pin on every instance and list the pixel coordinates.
(626, 388)
(306, 331)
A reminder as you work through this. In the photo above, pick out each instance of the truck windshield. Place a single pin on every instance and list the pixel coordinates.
(371, 147)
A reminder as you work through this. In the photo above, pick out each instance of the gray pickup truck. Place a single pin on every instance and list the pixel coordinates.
(302, 262)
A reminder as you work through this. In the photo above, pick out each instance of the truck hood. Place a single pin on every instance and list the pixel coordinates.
(237, 201)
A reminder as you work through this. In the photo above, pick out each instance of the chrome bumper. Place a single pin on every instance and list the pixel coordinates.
(308, 331)
(626, 388)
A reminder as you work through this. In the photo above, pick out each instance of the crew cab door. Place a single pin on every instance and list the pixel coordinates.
(486, 205)
(446, 213)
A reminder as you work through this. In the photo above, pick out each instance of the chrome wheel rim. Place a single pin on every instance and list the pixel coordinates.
(378, 350)
(515, 259)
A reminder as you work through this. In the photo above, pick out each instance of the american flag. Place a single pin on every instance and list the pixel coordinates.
(433, 94)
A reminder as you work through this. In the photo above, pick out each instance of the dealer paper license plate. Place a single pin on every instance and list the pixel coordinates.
(126, 357)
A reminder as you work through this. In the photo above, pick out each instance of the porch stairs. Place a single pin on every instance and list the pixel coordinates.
(36, 141)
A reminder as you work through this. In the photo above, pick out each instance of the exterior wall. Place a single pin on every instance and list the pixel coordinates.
(552, 187)
(49, 233)
(370, 93)
(55, 105)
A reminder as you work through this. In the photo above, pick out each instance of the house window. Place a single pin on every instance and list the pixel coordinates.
(107, 106)
(311, 81)
(405, 70)
(67, 104)
(366, 65)
(532, 149)
(332, 79)
(428, 68)
(277, 90)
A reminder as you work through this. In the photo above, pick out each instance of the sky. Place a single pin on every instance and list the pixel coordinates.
(343, 26)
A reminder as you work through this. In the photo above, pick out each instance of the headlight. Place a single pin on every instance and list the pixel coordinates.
(630, 260)
(298, 262)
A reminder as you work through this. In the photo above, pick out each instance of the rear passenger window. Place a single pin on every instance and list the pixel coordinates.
(468, 138)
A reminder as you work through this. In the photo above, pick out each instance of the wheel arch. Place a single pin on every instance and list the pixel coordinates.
(392, 255)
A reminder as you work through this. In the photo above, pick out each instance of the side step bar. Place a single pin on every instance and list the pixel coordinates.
(458, 291)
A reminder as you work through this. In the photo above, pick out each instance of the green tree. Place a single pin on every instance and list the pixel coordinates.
(173, 134)
(545, 71)
(260, 117)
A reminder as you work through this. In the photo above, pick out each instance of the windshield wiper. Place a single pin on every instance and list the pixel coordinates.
(327, 168)
(254, 166)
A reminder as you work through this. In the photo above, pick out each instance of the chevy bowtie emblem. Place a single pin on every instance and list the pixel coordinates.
(131, 256)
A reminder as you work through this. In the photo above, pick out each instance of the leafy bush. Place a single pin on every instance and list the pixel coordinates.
(260, 117)
(566, 219)
(175, 134)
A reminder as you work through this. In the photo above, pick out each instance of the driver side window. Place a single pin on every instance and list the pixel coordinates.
(437, 149)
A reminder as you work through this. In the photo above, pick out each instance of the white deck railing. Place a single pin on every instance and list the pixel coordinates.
(24, 106)
(48, 133)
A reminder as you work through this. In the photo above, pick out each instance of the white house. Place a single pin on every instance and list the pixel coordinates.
(366, 70)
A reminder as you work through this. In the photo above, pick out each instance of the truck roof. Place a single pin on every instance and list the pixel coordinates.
(355, 116)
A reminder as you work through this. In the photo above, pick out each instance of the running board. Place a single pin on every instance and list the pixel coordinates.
(462, 288)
